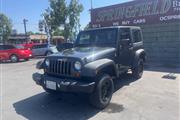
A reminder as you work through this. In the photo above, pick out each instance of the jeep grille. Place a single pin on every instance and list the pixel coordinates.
(60, 67)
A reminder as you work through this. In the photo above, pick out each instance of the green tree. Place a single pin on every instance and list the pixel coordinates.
(54, 17)
(58, 32)
(5, 28)
(74, 17)
(47, 22)
(30, 33)
(87, 27)
(66, 16)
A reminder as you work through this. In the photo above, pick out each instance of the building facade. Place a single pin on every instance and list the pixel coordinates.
(36, 38)
(159, 20)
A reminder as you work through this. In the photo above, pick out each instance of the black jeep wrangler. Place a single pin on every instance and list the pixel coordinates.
(98, 57)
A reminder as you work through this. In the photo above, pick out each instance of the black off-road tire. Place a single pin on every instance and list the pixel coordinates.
(137, 71)
(103, 92)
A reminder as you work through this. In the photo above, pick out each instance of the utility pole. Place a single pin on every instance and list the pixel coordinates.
(47, 31)
(25, 22)
(91, 4)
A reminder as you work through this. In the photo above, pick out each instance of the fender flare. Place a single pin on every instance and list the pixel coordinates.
(139, 53)
(91, 69)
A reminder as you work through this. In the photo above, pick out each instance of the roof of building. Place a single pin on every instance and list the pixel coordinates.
(38, 37)
(19, 37)
(58, 37)
(32, 37)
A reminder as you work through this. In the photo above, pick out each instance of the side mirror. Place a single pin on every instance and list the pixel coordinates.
(39, 65)
(125, 42)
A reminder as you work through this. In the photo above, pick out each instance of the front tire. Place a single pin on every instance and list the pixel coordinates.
(14, 58)
(102, 95)
(137, 71)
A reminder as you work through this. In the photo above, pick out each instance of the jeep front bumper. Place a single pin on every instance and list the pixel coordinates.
(64, 85)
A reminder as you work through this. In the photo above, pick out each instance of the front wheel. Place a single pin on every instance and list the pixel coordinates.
(102, 95)
(137, 71)
(14, 58)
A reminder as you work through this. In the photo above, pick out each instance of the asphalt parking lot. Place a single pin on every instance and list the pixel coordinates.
(153, 97)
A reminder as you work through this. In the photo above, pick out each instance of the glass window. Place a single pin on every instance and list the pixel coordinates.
(43, 46)
(39, 46)
(97, 37)
(1, 47)
(136, 34)
(84, 38)
(125, 33)
(34, 47)
(7, 47)
(20, 47)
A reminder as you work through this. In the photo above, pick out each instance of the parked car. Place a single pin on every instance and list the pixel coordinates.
(64, 46)
(98, 58)
(43, 49)
(14, 53)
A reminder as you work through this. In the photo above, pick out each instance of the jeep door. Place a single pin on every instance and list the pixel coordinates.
(125, 47)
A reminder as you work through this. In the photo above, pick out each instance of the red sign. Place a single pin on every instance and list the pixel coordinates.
(136, 13)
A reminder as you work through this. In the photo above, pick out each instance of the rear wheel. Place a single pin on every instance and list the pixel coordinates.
(14, 58)
(137, 71)
(102, 95)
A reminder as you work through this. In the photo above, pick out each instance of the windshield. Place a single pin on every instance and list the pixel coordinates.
(97, 37)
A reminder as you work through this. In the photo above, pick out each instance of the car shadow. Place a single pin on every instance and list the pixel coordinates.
(123, 80)
(39, 57)
(65, 106)
(9, 62)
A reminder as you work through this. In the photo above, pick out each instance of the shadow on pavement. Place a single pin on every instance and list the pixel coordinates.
(65, 106)
(9, 62)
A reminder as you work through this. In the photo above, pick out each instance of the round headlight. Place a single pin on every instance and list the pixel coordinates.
(77, 65)
(47, 62)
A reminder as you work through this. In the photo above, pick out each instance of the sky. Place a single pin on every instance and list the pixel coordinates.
(31, 10)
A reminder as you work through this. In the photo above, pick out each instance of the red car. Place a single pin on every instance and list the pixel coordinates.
(10, 52)
(29, 45)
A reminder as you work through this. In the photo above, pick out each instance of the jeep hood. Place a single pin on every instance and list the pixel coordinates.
(88, 53)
